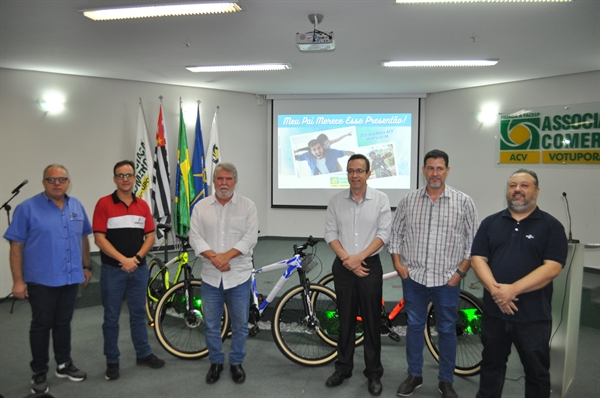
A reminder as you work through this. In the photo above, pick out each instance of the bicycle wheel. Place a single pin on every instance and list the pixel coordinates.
(180, 334)
(156, 286)
(468, 334)
(305, 340)
(327, 281)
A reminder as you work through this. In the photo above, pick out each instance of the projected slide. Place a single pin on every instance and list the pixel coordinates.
(314, 149)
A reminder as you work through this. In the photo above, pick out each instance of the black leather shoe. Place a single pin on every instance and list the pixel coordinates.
(409, 385)
(214, 373)
(336, 379)
(237, 373)
(375, 386)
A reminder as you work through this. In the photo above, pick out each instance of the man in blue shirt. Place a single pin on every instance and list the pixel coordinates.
(49, 258)
(516, 253)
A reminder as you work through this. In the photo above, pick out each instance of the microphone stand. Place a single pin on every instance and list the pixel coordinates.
(8, 208)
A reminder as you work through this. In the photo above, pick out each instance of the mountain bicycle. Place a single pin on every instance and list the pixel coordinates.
(159, 279)
(304, 323)
(174, 306)
(468, 328)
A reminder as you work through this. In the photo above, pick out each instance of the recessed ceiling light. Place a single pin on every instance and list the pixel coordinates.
(443, 63)
(479, 1)
(163, 10)
(239, 68)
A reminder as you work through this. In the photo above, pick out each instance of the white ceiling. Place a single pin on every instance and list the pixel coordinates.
(531, 40)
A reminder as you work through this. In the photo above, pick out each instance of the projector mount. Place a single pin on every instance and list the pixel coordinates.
(316, 40)
(318, 35)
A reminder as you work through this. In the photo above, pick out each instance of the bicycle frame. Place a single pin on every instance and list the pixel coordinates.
(183, 259)
(291, 265)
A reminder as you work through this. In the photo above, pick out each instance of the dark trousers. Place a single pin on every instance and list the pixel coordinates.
(532, 341)
(51, 309)
(355, 293)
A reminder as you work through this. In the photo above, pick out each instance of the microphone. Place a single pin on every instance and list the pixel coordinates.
(19, 187)
(571, 240)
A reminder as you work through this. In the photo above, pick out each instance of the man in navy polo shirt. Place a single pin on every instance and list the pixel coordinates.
(516, 253)
(49, 258)
(124, 232)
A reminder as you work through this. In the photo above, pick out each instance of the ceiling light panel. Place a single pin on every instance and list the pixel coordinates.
(239, 68)
(160, 10)
(441, 63)
(478, 1)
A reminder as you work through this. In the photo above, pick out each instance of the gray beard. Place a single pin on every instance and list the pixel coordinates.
(221, 196)
(522, 207)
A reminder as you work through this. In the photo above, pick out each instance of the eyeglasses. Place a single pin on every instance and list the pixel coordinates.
(52, 180)
(122, 176)
(359, 171)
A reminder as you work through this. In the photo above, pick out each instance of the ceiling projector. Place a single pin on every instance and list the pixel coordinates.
(315, 40)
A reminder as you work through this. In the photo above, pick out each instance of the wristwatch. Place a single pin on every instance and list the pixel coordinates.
(460, 273)
(88, 267)
(139, 258)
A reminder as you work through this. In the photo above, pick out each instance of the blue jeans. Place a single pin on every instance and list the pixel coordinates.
(51, 309)
(238, 303)
(445, 300)
(114, 285)
(532, 341)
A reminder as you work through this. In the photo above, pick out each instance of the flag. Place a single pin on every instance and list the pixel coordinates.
(184, 186)
(199, 165)
(161, 180)
(143, 183)
(214, 150)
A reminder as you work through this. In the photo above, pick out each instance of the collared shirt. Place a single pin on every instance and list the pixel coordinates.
(125, 226)
(433, 238)
(331, 160)
(356, 225)
(51, 240)
(514, 249)
(221, 228)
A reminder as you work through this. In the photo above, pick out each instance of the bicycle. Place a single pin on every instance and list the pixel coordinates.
(468, 328)
(178, 318)
(159, 279)
(304, 324)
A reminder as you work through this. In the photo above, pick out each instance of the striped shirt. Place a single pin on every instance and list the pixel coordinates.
(433, 238)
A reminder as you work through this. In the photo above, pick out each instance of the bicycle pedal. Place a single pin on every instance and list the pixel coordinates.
(394, 336)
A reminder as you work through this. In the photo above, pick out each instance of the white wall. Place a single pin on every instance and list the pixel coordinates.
(97, 129)
(98, 126)
(451, 125)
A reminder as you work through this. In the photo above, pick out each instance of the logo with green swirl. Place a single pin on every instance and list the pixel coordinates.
(520, 134)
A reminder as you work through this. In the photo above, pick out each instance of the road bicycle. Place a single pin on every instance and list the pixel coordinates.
(159, 279)
(304, 324)
(468, 328)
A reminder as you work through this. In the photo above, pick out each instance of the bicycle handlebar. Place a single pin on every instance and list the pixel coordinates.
(299, 249)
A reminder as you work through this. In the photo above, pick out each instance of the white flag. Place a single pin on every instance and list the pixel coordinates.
(143, 160)
(214, 152)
